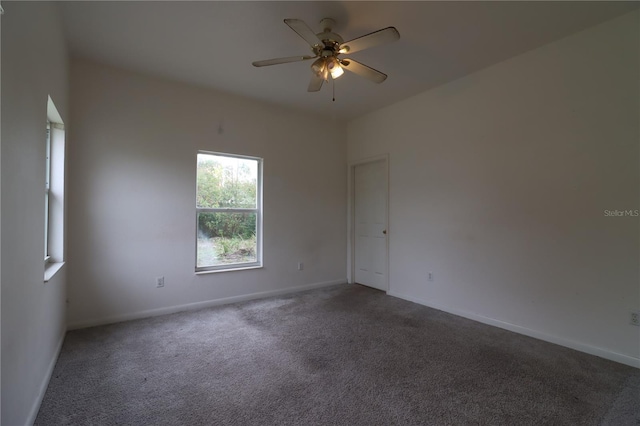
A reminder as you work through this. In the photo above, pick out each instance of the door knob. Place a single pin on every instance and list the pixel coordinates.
(384, 232)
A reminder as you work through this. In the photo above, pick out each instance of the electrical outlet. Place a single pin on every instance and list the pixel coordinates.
(430, 277)
(300, 266)
(634, 318)
(160, 282)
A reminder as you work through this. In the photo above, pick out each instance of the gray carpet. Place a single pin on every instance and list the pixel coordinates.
(343, 355)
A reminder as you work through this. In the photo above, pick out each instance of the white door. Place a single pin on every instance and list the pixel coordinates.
(370, 221)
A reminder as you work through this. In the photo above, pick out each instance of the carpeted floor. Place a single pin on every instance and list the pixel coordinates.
(343, 355)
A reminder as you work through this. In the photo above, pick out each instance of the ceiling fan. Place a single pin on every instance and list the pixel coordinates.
(327, 46)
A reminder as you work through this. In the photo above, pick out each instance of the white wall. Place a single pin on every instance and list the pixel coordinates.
(499, 182)
(34, 65)
(132, 167)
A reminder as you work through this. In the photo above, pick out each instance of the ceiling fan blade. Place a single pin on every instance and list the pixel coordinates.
(375, 38)
(303, 30)
(277, 61)
(363, 70)
(316, 82)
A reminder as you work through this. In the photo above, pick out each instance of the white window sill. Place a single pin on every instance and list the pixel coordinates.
(215, 271)
(51, 269)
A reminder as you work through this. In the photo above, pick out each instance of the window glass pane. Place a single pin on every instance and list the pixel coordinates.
(226, 238)
(46, 224)
(47, 167)
(226, 182)
(47, 186)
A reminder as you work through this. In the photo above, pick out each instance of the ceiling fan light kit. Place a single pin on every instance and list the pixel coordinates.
(327, 46)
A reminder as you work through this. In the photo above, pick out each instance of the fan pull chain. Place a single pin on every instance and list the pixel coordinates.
(333, 86)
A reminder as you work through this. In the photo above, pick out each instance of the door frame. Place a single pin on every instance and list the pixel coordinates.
(351, 247)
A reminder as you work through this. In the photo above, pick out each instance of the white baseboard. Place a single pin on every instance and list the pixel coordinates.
(45, 382)
(197, 305)
(592, 350)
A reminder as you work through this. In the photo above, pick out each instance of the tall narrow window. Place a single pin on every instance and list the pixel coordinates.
(228, 212)
(47, 189)
(54, 192)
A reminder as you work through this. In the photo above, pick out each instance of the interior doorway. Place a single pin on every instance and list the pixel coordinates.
(369, 234)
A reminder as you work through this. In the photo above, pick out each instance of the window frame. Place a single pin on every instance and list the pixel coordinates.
(258, 210)
(54, 238)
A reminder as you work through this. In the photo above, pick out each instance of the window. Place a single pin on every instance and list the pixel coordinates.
(228, 212)
(47, 190)
(53, 192)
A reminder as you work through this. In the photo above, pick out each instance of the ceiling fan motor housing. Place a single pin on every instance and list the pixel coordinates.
(331, 40)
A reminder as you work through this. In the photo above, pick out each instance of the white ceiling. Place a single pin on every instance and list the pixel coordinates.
(212, 44)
